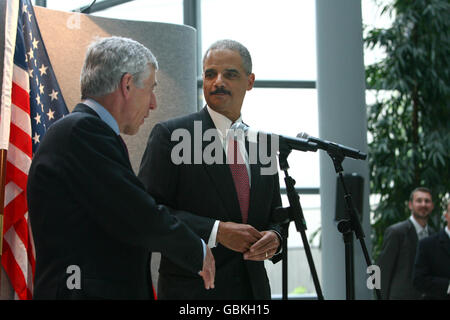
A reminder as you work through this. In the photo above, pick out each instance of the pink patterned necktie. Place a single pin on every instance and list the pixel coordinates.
(240, 177)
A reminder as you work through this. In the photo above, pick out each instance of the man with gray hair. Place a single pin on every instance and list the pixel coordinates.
(231, 201)
(94, 225)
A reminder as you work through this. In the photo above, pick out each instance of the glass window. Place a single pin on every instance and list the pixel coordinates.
(287, 112)
(280, 35)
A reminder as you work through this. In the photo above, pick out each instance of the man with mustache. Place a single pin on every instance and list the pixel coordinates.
(396, 260)
(232, 201)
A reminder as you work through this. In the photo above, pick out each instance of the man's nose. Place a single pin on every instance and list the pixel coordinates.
(219, 82)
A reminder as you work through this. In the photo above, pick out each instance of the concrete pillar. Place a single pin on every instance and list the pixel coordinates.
(342, 119)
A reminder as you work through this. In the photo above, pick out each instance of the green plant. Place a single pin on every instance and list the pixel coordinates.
(409, 131)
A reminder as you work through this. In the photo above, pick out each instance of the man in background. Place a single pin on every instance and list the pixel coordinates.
(432, 266)
(396, 260)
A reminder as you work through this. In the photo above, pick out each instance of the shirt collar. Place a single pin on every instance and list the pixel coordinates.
(447, 231)
(417, 226)
(221, 122)
(103, 114)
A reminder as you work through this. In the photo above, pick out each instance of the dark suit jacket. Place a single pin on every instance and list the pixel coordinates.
(432, 266)
(208, 191)
(88, 209)
(396, 261)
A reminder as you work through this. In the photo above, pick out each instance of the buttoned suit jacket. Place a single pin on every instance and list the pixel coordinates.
(207, 190)
(396, 262)
(432, 266)
(89, 212)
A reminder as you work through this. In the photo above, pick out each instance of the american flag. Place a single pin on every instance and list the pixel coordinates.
(31, 102)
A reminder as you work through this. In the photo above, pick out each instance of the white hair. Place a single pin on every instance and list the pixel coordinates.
(108, 59)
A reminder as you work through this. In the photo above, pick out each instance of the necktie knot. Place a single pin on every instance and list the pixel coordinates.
(423, 234)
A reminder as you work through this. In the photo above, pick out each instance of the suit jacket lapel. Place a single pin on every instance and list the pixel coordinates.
(220, 174)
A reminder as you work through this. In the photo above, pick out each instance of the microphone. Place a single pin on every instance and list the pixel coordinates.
(331, 146)
(298, 143)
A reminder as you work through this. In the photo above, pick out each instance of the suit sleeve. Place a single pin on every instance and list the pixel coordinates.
(100, 173)
(387, 260)
(160, 176)
(423, 278)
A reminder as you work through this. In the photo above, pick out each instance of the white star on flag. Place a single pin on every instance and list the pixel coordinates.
(37, 118)
(31, 53)
(35, 43)
(43, 70)
(50, 114)
(54, 95)
(36, 138)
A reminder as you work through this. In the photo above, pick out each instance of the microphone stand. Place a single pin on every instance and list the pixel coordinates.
(293, 213)
(348, 226)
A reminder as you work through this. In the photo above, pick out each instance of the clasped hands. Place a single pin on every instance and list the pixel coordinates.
(255, 245)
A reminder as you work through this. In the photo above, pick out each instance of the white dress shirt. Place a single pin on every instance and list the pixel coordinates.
(422, 232)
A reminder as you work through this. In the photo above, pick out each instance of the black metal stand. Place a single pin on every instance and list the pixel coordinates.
(294, 213)
(347, 227)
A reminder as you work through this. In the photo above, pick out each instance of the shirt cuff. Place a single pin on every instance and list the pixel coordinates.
(213, 236)
(448, 290)
(280, 248)
(204, 248)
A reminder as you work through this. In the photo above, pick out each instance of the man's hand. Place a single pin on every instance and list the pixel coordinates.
(264, 248)
(208, 272)
(237, 236)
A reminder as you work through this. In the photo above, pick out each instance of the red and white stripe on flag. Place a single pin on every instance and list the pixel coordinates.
(18, 257)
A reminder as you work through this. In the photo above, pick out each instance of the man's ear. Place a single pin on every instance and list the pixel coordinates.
(125, 84)
(251, 81)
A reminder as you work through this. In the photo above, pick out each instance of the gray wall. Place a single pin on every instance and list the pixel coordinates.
(66, 37)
